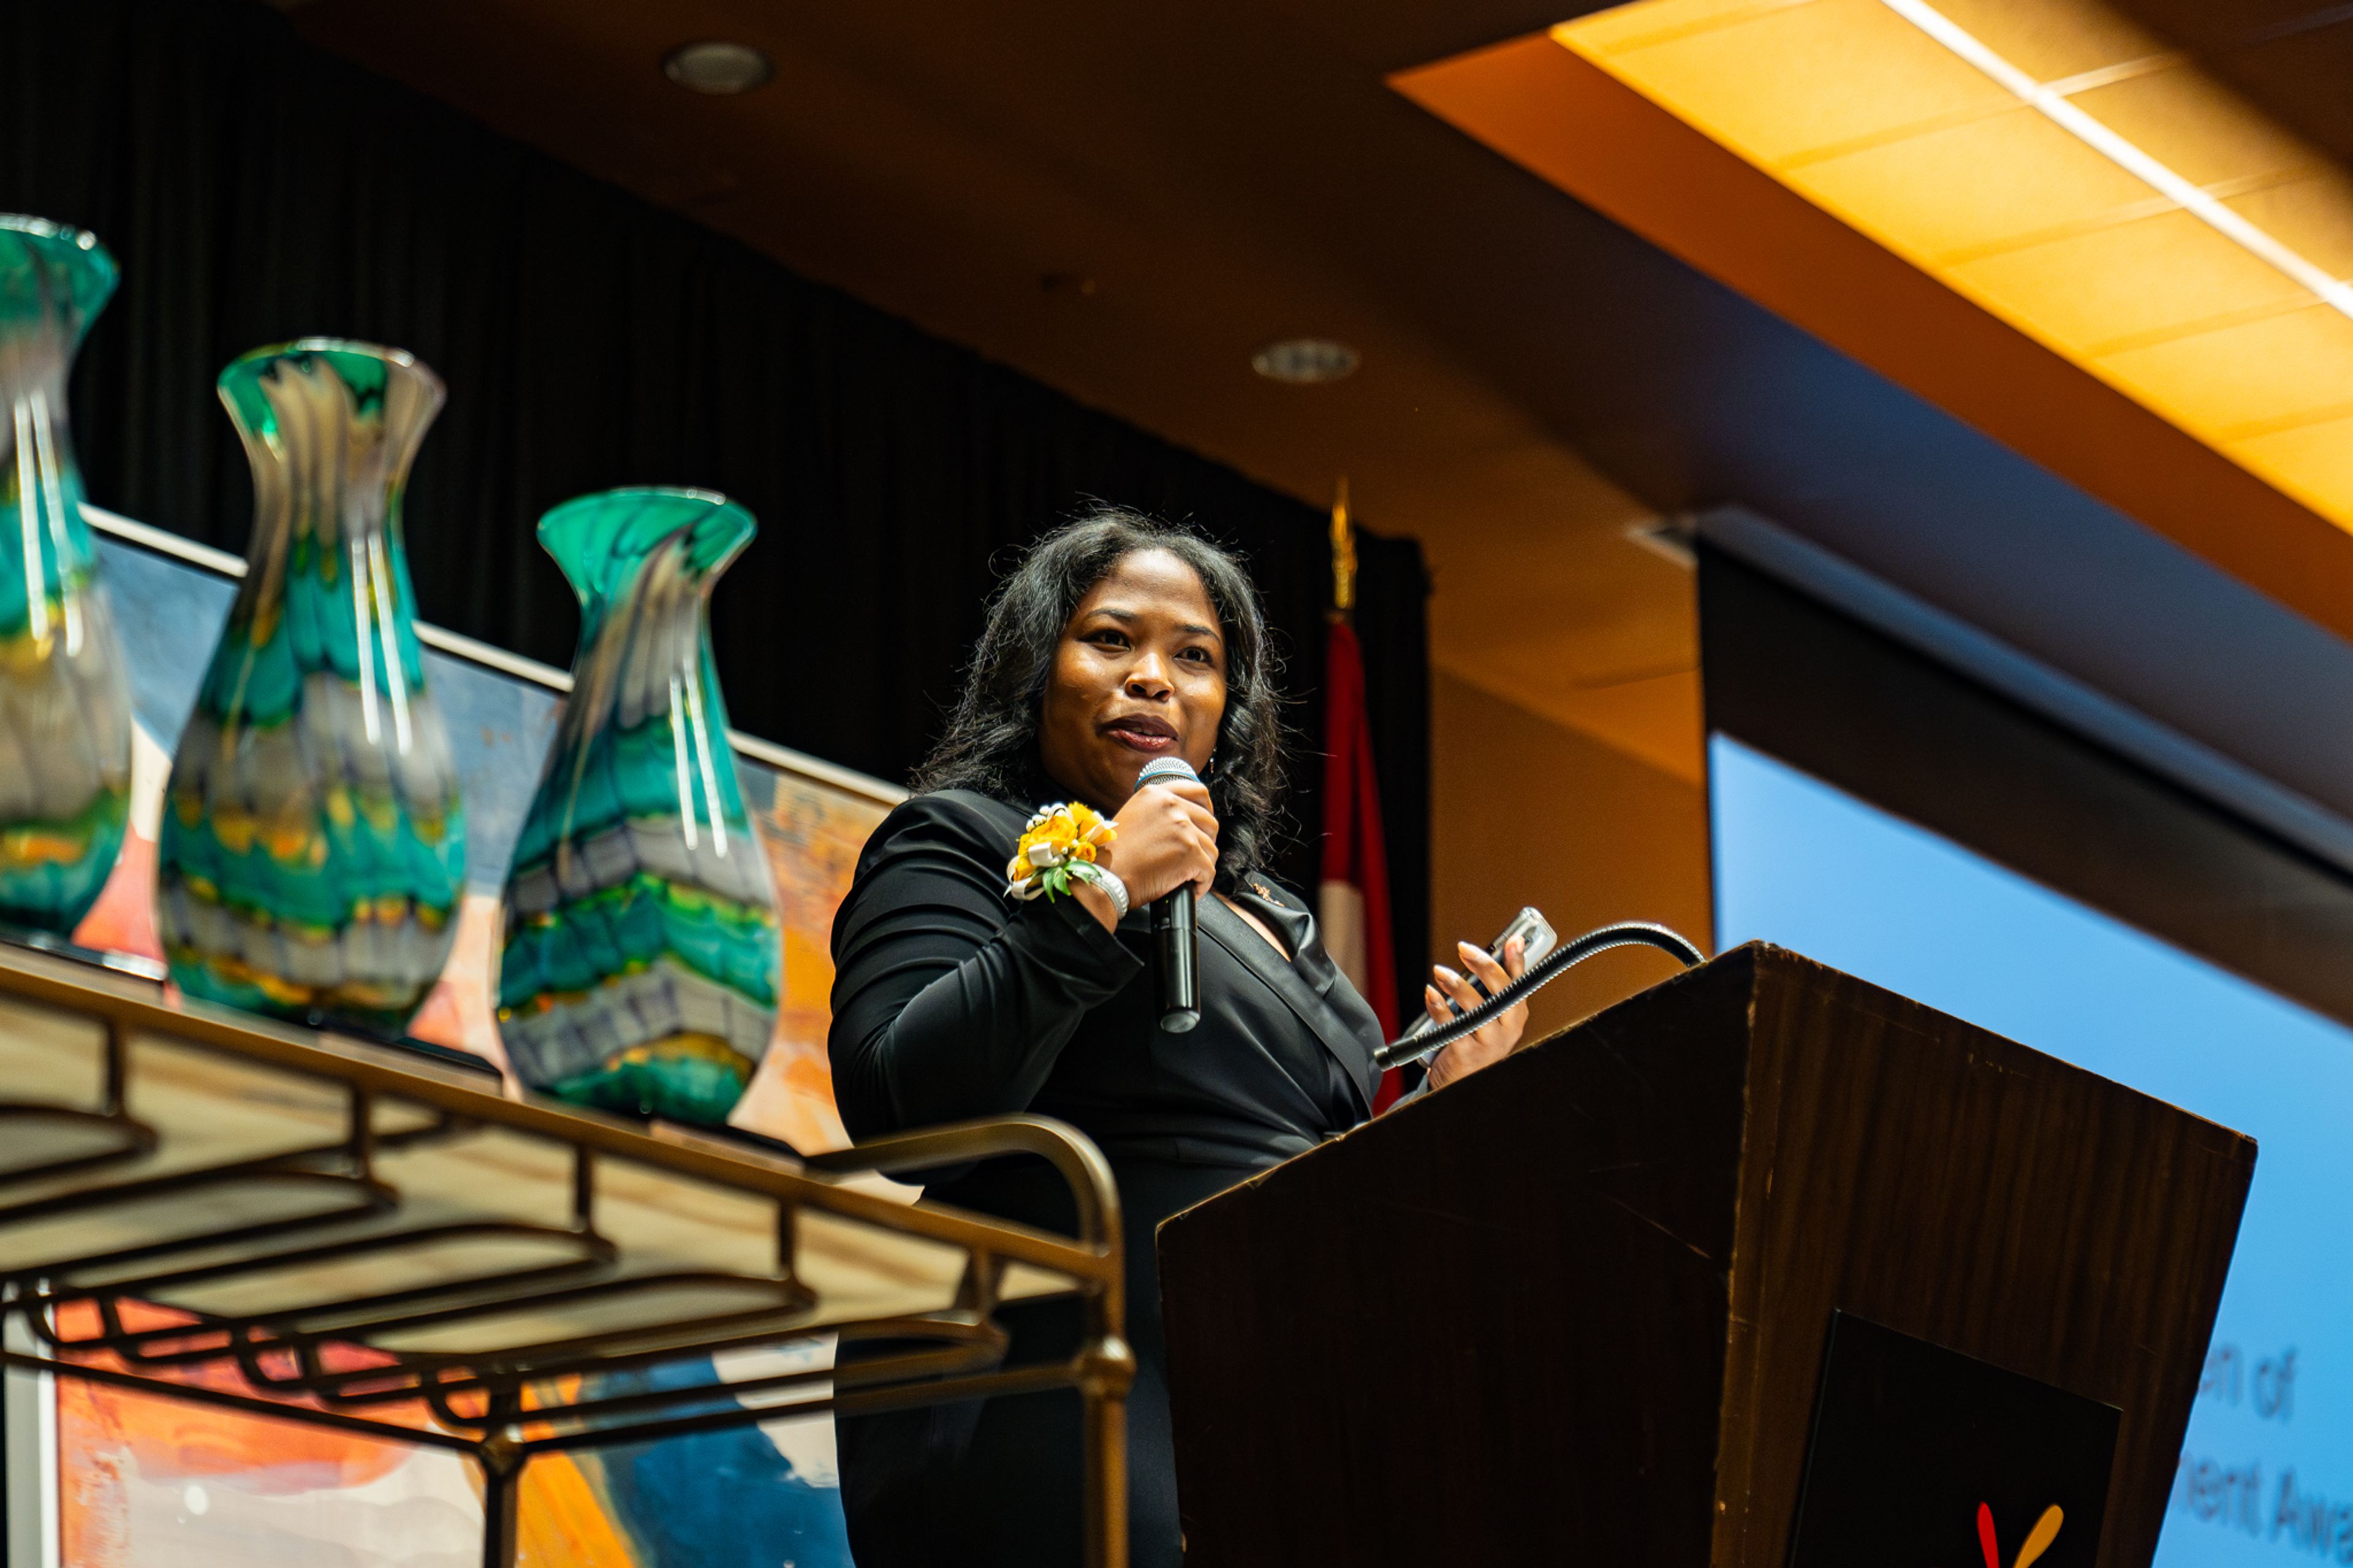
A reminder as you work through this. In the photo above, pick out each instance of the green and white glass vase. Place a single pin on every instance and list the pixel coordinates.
(313, 848)
(640, 965)
(65, 702)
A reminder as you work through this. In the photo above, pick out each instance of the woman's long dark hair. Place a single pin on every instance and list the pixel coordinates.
(991, 744)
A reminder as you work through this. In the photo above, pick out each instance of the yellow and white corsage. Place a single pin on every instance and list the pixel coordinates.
(1059, 846)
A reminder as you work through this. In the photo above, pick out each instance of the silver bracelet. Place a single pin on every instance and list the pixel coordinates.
(1114, 888)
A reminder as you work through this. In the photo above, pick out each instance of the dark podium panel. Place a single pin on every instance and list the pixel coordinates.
(1574, 1309)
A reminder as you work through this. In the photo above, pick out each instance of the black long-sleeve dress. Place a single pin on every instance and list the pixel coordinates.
(952, 1001)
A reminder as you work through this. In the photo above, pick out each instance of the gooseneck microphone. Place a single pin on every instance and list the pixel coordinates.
(1625, 934)
(1174, 940)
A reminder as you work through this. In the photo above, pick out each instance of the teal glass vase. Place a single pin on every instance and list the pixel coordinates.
(640, 961)
(65, 699)
(313, 845)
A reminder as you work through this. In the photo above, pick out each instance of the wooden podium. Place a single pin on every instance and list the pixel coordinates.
(1573, 1309)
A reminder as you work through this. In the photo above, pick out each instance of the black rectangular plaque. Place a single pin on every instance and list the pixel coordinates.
(1924, 1457)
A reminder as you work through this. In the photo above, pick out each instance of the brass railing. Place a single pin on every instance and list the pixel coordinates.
(374, 1242)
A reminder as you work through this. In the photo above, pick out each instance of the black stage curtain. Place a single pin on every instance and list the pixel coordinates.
(256, 190)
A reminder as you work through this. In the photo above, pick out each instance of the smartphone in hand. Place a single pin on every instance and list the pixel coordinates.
(1536, 937)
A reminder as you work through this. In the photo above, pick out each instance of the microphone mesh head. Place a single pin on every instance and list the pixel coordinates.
(1170, 768)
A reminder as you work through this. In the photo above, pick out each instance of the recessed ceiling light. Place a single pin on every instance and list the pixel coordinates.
(717, 66)
(1304, 361)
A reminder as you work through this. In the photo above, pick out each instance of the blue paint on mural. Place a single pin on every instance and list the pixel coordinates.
(724, 1498)
(169, 614)
(498, 731)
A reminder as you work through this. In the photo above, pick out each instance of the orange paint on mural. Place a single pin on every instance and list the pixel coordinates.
(123, 917)
(171, 1438)
(461, 1012)
(813, 836)
(177, 1438)
(561, 1521)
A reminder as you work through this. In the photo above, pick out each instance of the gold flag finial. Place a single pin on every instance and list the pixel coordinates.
(1344, 552)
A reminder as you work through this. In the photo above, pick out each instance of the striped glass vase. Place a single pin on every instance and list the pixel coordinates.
(640, 965)
(313, 847)
(65, 702)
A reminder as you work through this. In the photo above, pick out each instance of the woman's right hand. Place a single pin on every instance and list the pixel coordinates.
(1164, 838)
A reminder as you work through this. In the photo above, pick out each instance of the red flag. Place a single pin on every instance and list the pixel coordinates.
(1353, 902)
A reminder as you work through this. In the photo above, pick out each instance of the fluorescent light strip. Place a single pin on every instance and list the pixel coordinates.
(2192, 200)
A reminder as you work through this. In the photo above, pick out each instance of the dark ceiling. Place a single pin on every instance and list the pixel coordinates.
(1233, 170)
(2291, 58)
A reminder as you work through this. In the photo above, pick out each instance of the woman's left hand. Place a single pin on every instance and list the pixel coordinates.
(1486, 1046)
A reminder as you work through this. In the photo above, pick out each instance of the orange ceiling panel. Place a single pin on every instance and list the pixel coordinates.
(2232, 385)
(2023, 210)
(2124, 283)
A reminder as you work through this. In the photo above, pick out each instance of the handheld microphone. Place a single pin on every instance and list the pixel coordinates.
(1174, 940)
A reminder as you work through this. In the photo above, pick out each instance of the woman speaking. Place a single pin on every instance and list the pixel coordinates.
(964, 988)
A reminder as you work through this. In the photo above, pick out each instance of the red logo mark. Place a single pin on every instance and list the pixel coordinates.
(2038, 1540)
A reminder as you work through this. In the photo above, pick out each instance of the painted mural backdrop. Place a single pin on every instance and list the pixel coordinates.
(151, 1483)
